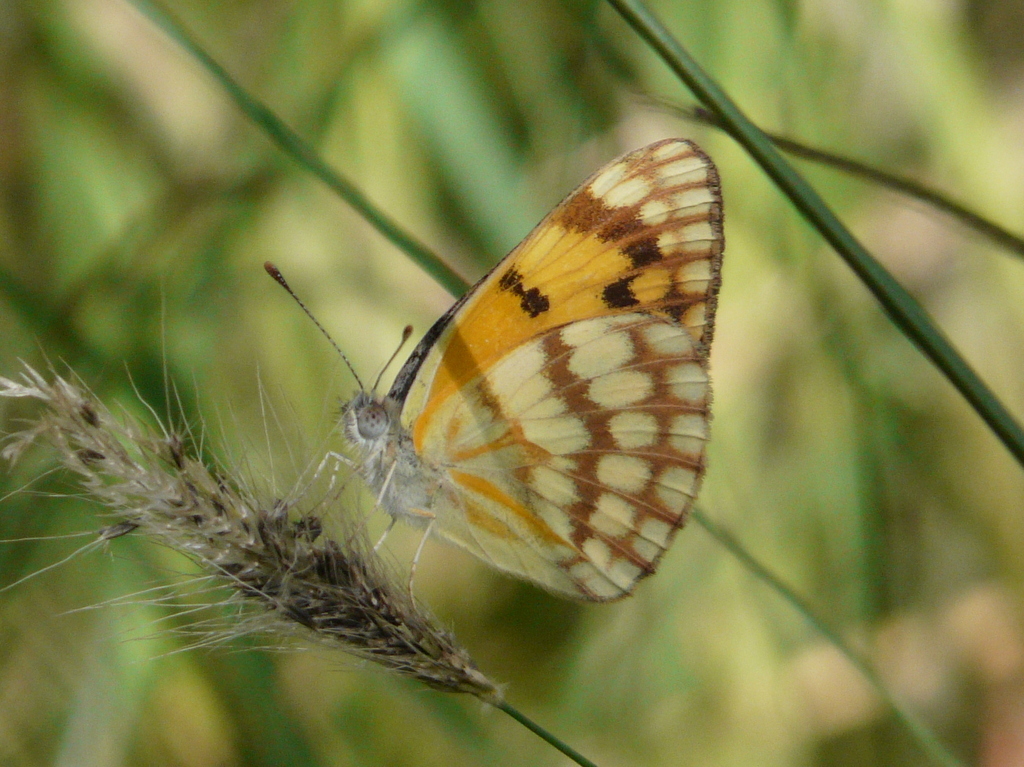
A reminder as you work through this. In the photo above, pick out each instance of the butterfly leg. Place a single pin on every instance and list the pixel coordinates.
(339, 460)
(380, 500)
(391, 524)
(423, 541)
(384, 486)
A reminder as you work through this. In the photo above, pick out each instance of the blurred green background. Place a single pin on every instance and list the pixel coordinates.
(137, 206)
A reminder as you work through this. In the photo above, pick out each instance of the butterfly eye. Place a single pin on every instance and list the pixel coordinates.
(372, 421)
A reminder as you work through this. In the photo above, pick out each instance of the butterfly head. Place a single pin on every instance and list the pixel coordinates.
(367, 421)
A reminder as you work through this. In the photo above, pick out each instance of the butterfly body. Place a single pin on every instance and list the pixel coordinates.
(388, 462)
(554, 421)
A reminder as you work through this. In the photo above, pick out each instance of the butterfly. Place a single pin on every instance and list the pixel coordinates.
(554, 421)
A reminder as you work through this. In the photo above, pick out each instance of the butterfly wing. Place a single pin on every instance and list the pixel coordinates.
(565, 399)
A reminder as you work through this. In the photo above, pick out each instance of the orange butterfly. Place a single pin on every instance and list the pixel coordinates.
(554, 421)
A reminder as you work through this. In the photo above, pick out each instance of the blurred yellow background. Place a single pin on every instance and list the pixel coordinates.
(137, 206)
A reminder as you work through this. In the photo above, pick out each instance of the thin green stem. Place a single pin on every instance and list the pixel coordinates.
(998, 234)
(914, 725)
(536, 729)
(899, 305)
(295, 147)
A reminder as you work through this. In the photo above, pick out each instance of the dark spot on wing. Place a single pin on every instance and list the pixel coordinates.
(510, 280)
(643, 252)
(619, 294)
(534, 302)
(583, 212)
(531, 301)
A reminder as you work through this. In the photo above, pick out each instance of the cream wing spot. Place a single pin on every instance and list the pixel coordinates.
(625, 473)
(594, 581)
(691, 198)
(517, 381)
(675, 487)
(627, 193)
(624, 573)
(656, 211)
(690, 425)
(556, 487)
(601, 355)
(668, 339)
(689, 433)
(534, 390)
(688, 383)
(555, 517)
(600, 584)
(633, 429)
(546, 408)
(683, 166)
(646, 550)
(492, 463)
(598, 552)
(561, 435)
(472, 420)
(582, 572)
(656, 532)
(698, 271)
(607, 178)
(577, 334)
(670, 239)
(563, 463)
(697, 231)
(615, 507)
(695, 316)
(671, 149)
(470, 431)
(620, 389)
(696, 248)
(604, 588)
(607, 526)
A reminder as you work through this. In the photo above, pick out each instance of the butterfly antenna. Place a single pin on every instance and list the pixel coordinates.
(405, 337)
(274, 272)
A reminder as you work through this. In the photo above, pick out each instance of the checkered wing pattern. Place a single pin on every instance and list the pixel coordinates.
(565, 401)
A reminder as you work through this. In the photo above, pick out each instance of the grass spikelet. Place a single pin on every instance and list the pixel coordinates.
(272, 553)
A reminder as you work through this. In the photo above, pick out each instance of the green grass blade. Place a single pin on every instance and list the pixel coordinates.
(999, 235)
(540, 732)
